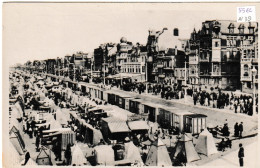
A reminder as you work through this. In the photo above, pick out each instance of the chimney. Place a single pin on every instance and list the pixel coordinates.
(175, 32)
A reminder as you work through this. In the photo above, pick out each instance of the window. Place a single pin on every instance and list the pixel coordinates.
(251, 30)
(248, 84)
(182, 46)
(231, 30)
(216, 44)
(176, 32)
(246, 68)
(241, 30)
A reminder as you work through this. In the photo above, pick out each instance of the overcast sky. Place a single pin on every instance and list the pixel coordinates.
(48, 30)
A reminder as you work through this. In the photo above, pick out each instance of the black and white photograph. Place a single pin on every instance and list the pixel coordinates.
(130, 84)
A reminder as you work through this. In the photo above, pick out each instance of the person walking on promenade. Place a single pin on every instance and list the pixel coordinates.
(240, 129)
(236, 130)
(37, 143)
(241, 155)
(30, 132)
(195, 98)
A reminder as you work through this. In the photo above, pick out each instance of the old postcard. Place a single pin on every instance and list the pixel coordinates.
(130, 84)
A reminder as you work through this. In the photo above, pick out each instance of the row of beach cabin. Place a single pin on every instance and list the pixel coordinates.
(166, 117)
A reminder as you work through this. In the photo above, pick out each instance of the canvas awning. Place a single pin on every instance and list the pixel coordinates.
(60, 131)
(117, 127)
(138, 125)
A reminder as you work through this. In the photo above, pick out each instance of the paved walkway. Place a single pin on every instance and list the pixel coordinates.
(231, 159)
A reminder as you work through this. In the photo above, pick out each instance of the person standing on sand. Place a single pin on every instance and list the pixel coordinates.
(241, 155)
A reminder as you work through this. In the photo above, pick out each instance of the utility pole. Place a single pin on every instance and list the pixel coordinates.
(146, 77)
(91, 72)
(254, 72)
(185, 76)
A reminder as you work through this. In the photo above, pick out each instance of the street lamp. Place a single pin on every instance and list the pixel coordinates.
(254, 72)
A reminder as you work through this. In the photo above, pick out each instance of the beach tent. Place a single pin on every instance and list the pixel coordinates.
(132, 153)
(205, 143)
(16, 140)
(43, 157)
(77, 158)
(61, 117)
(158, 155)
(186, 148)
(104, 155)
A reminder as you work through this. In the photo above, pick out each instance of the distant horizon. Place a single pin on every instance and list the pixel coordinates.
(40, 31)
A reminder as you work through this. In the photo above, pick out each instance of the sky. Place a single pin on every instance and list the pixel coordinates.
(38, 31)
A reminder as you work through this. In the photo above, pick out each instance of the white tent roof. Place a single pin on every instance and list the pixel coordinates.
(206, 144)
(104, 154)
(132, 153)
(17, 144)
(158, 155)
(78, 158)
(186, 148)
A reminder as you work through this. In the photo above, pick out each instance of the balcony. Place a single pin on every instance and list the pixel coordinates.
(180, 77)
(246, 78)
(204, 59)
(193, 62)
(161, 76)
(169, 68)
(193, 75)
(249, 60)
(159, 65)
(215, 73)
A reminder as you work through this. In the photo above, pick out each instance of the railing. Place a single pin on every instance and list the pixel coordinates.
(215, 73)
(193, 62)
(161, 76)
(246, 78)
(204, 60)
(159, 65)
(255, 60)
(193, 75)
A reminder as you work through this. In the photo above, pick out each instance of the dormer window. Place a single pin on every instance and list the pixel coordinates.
(251, 28)
(231, 28)
(241, 28)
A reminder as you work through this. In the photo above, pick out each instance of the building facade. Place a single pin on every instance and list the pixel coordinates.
(219, 47)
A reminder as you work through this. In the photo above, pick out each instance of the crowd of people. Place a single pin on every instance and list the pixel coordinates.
(221, 100)
(214, 98)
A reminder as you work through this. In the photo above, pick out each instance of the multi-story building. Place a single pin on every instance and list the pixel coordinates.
(111, 50)
(135, 61)
(170, 66)
(249, 55)
(193, 53)
(219, 45)
(50, 66)
(124, 48)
